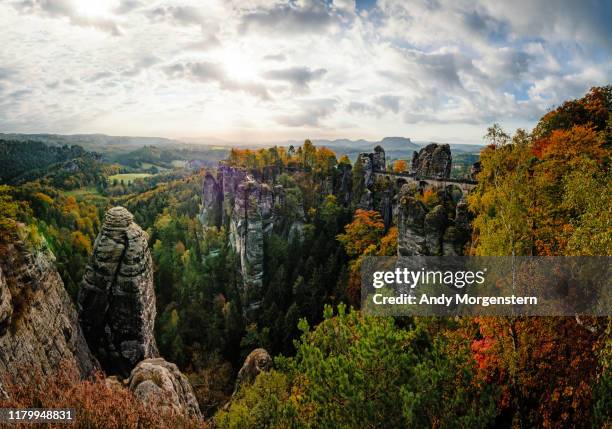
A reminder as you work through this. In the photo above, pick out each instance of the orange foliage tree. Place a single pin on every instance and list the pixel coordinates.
(545, 194)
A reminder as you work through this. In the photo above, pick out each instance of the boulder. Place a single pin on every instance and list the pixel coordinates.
(258, 361)
(116, 301)
(158, 383)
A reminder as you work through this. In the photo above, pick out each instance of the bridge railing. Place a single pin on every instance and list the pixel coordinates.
(437, 179)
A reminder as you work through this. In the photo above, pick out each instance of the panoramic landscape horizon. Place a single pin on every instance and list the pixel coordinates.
(306, 214)
(262, 71)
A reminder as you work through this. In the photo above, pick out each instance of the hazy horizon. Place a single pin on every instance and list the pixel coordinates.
(258, 71)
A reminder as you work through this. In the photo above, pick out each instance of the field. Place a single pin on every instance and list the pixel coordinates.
(127, 177)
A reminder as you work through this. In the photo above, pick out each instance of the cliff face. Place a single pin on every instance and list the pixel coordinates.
(116, 301)
(343, 184)
(440, 230)
(371, 163)
(249, 209)
(433, 161)
(252, 207)
(38, 323)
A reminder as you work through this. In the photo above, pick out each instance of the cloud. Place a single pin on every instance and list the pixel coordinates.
(388, 102)
(275, 57)
(308, 16)
(452, 65)
(6, 73)
(182, 15)
(209, 72)
(358, 107)
(298, 77)
(143, 63)
(127, 6)
(99, 76)
(309, 113)
(67, 9)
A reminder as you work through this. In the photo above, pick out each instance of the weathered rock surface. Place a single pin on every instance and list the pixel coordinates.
(159, 383)
(433, 161)
(441, 230)
(411, 219)
(116, 301)
(212, 200)
(250, 210)
(256, 362)
(39, 326)
(475, 170)
(371, 163)
(344, 183)
(252, 203)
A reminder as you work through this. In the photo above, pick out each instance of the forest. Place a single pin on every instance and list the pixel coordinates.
(545, 191)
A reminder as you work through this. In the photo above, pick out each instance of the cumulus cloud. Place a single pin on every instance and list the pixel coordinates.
(388, 102)
(308, 16)
(298, 77)
(275, 57)
(309, 113)
(209, 72)
(390, 67)
(183, 15)
(68, 9)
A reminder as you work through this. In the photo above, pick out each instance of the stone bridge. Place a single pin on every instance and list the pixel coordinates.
(427, 182)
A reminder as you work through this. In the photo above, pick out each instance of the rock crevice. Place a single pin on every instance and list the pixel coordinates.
(116, 301)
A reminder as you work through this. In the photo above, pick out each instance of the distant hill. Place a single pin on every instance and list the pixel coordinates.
(19, 157)
(395, 147)
(138, 151)
(94, 142)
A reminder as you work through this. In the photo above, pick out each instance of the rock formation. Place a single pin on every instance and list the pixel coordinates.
(211, 202)
(39, 326)
(443, 229)
(370, 163)
(116, 301)
(343, 184)
(158, 383)
(252, 203)
(475, 169)
(433, 161)
(256, 362)
(249, 210)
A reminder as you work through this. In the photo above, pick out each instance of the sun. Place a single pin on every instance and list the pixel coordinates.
(238, 65)
(94, 8)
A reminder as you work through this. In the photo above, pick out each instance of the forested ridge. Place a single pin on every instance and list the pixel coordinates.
(541, 192)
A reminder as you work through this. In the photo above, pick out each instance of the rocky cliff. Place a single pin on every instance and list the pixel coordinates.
(433, 161)
(116, 301)
(249, 209)
(39, 326)
(370, 163)
(442, 228)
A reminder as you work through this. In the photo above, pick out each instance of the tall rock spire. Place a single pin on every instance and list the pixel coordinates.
(116, 301)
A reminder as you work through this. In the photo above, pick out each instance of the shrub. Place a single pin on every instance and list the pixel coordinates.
(98, 403)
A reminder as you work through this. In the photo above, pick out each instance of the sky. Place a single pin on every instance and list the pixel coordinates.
(265, 71)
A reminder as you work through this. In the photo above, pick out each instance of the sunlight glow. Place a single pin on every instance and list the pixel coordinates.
(94, 8)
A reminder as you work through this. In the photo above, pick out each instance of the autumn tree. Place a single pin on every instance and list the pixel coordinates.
(544, 194)
(400, 166)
